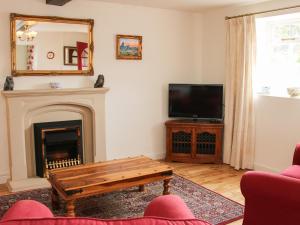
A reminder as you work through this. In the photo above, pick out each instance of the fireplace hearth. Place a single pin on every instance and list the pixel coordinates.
(57, 145)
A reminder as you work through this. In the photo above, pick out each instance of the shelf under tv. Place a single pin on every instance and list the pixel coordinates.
(194, 141)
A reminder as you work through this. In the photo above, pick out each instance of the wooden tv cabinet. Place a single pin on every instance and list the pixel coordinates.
(194, 141)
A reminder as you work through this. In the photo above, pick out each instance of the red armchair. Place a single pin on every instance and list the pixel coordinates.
(163, 210)
(273, 199)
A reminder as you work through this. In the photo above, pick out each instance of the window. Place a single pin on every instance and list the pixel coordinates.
(278, 54)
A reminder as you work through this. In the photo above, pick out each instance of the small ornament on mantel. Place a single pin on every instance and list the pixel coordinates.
(9, 84)
(99, 82)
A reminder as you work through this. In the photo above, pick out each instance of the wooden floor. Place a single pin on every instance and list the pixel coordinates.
(220, 178)
(3, 190)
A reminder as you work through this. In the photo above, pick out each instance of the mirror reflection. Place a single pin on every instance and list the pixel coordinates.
(47, 45)
(51, 46)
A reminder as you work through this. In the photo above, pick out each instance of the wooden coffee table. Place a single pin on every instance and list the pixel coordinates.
(96, 178)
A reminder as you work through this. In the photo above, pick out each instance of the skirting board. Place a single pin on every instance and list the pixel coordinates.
(157, 156)
(260, 167)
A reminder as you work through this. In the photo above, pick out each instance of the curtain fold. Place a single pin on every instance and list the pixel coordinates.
(30, 57)
(239, 143)
(80, 48)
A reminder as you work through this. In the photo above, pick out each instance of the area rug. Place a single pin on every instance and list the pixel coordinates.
(205, 204)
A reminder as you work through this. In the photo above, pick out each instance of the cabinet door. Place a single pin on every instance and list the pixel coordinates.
(208, 144)
(206, 141)
(181, 141)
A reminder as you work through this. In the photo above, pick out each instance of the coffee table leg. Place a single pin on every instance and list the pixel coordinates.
(71, 208)
(141, 188)
(55, 199)
(166, 187)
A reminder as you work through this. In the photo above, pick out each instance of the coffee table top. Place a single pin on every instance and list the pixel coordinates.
(103, 175)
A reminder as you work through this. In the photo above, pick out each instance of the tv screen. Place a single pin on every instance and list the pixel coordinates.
(196, 101)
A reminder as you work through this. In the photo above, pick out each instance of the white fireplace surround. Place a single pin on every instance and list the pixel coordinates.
(25, 107)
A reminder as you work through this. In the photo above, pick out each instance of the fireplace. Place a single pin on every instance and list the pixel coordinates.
(27, 107)
(57, 145)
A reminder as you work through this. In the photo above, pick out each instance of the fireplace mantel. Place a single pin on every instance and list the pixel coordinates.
(26, 107)
(49, 92)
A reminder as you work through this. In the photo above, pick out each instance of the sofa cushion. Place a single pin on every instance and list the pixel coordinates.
(168, 206)
(90, 221)
(292, 171)
(27, 209)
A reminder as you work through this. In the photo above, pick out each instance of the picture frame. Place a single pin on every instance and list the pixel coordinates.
(129, 47)
(71, 56)
(87, 24)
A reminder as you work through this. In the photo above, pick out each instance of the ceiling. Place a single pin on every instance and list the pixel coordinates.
(187, 5)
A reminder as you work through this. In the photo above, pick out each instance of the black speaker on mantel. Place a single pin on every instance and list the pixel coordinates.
(57, 2)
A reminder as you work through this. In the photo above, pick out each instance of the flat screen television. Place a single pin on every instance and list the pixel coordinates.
(196, 101)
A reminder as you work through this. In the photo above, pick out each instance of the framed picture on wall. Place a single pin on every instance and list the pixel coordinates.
(71, 56)
(129, 47)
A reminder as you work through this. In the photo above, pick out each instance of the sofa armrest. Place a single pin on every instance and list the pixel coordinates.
(296, 159)
(27, 209)
(270, 199)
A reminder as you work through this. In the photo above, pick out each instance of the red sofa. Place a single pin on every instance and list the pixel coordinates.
(164, 210)
(273, 199)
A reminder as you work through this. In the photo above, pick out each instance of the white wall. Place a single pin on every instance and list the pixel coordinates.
(277, 132)
(49, 42)
(277, 119)
(21, 57)
(55, 42)
(198, 46)
(136, 105)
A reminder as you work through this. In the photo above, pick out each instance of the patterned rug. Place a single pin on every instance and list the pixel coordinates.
(205, 204)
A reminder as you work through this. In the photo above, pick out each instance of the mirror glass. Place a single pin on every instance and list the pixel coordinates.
(47, 47)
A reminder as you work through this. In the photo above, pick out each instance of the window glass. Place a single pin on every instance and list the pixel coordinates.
(278, 54)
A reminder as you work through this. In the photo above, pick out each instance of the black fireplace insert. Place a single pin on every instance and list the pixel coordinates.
(57, 145)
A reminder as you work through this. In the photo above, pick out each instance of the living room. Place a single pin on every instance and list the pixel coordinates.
(183, 42)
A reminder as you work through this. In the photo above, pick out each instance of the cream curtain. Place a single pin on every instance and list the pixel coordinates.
(239, 107)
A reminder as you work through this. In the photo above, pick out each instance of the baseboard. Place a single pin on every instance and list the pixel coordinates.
(262, 167)
(157, 156)
(4, 178)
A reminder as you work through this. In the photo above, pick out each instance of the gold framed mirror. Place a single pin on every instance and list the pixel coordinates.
(39, 45)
